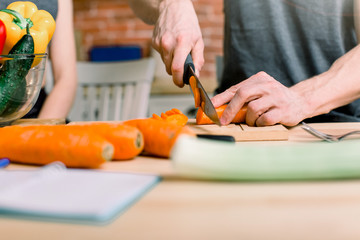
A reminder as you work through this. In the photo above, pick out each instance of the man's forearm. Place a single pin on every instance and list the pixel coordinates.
(147, 10)
(336, 87)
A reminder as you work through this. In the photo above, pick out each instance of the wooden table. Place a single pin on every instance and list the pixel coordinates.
(187, 209)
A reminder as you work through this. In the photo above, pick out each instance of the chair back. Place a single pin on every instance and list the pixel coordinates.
(113, 90)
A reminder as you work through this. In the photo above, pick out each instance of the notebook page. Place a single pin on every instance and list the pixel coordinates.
(73, 194)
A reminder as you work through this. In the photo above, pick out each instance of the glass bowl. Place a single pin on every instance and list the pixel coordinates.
(19, 87)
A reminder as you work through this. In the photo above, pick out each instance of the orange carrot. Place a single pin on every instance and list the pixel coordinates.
(176, 111)
(178, 119)
(172, 112)
(128, 141)
(163, 116)
(154, 116)
(159, 136)
(43, 144)
(201, 118)
(195, 90)
(193, 83)
(197, 98)
(174, 115)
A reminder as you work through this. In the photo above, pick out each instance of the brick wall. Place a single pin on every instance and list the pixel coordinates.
(112, 22)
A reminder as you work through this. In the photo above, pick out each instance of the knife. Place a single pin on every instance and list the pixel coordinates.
(208, 108)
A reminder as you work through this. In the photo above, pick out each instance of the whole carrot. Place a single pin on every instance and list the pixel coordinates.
(127, 140)
(201, 117)
(159, 136)
(44, 144)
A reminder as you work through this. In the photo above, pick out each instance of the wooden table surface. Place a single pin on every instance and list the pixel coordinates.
(188, 209)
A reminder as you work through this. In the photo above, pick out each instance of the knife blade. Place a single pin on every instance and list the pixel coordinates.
(209, 109)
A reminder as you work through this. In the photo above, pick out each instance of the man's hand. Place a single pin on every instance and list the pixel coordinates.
(269, 102)
(176, 34)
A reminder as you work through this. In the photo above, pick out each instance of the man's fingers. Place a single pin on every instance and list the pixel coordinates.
(231, 110)
(256, 109)
(180, 53)
(167, 45)
(197, 54)
(224, 97)
(268, 118)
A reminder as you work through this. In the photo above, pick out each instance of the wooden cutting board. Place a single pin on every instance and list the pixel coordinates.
(243, 132)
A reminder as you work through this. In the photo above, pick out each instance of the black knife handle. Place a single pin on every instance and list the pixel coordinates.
(225, 138)
(187, 65)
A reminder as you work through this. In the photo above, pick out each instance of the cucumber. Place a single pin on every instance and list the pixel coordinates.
(13, 74)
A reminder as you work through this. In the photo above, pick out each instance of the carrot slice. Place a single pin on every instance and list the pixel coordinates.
(192, 83)
(202, 105)
(173, 111)
(176, 111)
(164, 116)
(128, 141)
(178, 119)
(155, 116)
(43, 144)
(170, 112)
(197, 97)
(201, 118)
(174, 116)
(195, 90)
(159, 136)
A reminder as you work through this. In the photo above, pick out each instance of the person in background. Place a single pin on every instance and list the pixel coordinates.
(63, 58)
(288, 60)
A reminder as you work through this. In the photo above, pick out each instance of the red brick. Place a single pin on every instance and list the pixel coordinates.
(112, 22)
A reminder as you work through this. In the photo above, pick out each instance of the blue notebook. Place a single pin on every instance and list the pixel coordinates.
(75, 195)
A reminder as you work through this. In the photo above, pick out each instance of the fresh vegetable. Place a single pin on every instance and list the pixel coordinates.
(159, 136)
(18, 15)
(43, 144)
(13, 73)
(174, 116)
(155, 116)
(201, 118)
(199, 158)
(127, 140)
(195, 90)
(2, 35)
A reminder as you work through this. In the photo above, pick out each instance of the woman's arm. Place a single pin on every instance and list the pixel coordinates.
(63, 57)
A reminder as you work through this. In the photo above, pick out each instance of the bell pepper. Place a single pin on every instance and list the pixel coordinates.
(2, 35)
(16, 17)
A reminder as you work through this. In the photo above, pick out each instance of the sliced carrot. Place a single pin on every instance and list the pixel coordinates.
(193, 83)
(179, 119)
(164, 116)
(201, 118)
(195, 90)
(171, 112)
(128, 141)
(174, 116)
(155, 116)
(176, 111)
(197, 97)
(202, 105)
(43, 144)
(159, 136)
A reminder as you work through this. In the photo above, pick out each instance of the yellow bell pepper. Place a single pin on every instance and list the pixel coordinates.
(16, 17)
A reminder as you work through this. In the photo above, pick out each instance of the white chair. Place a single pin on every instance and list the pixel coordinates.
(113, 90)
